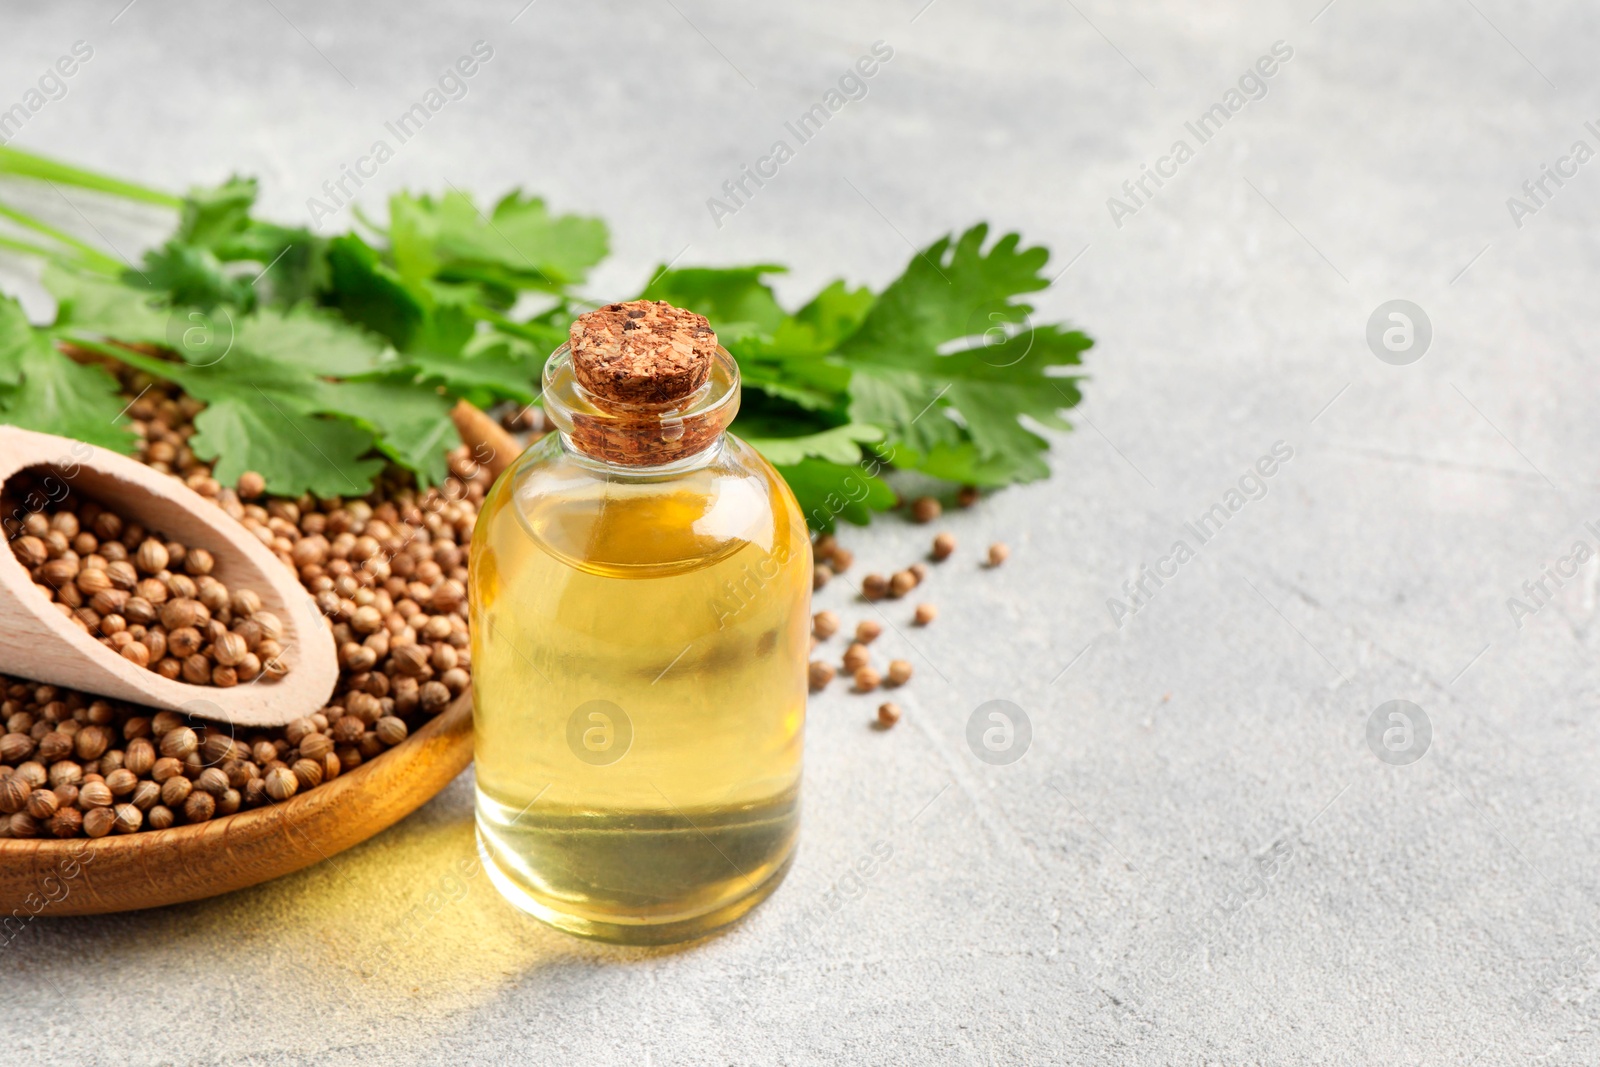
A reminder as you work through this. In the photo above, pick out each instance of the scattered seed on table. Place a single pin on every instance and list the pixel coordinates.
(856, 657)
(820, 573)
(824, 624)
(899, 671)
(874, 586)
(998, 553)
(925, 509)
(943, 545)
(888, 715)
(967, 496)
(902, 583)
(925, 614)
(866, 680)
(842, 558)
(867, 631)
(820, 674)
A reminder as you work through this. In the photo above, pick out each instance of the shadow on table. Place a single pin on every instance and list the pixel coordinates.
(409, 913)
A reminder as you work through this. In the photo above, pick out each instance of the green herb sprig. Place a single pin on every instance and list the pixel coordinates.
(320, 358)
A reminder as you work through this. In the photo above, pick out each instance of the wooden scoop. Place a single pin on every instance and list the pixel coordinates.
(38, 642)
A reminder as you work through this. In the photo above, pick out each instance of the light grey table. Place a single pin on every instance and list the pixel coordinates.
(1199, 858)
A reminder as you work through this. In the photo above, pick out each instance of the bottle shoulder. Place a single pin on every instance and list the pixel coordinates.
(621, 522)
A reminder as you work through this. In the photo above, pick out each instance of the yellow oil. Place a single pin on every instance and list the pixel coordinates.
(638, 658)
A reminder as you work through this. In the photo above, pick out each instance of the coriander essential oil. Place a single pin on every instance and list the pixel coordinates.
(640, 604)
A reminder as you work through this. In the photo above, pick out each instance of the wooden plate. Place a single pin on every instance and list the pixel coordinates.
(152, 868)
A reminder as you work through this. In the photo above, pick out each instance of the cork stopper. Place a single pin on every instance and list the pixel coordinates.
(644, 352)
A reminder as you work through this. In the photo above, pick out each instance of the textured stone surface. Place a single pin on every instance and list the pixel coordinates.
(1199, 860)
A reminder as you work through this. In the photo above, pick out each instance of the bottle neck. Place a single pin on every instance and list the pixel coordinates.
(644, 439)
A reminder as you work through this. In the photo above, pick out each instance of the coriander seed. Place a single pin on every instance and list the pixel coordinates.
(199, 807)
(824, 624)
(281, 783)
(925, 614)
(175, 790)
(14, 791)
(308, 772)
(998, 553)
(179, 743)
(97, 822)
(867, 631)
(212, 781)
(943, 545)
(251, 485)
(42, 804)
(66, 822)
(925, 509)
(888, 715)
(128, 819)
(145, 795)
(152, 557)
(391, 731)
(899, 671)
(121, 782)
(819, 674)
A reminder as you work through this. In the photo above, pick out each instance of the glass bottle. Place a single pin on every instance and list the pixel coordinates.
(640, 598)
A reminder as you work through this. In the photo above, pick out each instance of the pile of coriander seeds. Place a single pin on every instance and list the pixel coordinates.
(388, 571)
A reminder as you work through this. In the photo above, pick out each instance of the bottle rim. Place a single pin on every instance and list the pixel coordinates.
(640, 437)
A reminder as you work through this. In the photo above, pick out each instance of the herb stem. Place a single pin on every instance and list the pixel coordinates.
(15, 162)
(92, 257)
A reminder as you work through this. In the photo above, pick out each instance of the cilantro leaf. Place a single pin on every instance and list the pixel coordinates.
(779, 354)
(189, 274)
(370, 293)
(831, 316)
(215, 232)
(16, 334)
(838, 444)
(485, 378)
(828, 491)
(411, 426)
(294, 453)
(518, 245)
(212, 214)
(906, 377)
(94, 306)
(735, 299)
(311, 339)
(951, 292)
(61, 396)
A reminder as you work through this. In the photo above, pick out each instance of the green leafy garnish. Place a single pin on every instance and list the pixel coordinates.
(321, 359)
(43, 390)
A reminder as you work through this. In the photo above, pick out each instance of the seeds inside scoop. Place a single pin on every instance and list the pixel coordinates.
(150, 599)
